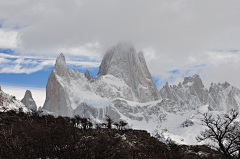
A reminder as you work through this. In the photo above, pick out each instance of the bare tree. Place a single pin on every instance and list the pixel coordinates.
(109, 122)
(122, 124)
(222, 132)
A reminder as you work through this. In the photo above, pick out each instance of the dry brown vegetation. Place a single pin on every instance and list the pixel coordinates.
(33, 135)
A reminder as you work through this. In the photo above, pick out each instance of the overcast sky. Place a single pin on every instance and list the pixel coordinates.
(178, 37)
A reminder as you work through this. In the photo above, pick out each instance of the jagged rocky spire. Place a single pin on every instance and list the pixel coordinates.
(88, 76)
(28, 100)
(57, 96)
(123, 62)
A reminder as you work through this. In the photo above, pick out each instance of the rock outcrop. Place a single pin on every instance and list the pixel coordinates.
(9, 102)
(190, 94)
(28, 101)
(122, 87)
(224, 97)
(88, 76)
(124, 63)
(57, 89)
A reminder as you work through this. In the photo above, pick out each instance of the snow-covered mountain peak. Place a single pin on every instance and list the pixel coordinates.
(124, 89)
(71, 72)
(10, 102)
(60, 68)
(121, 52)
(60, 60)
(78, 71)
(28, 94)
(180, 85)
(141, 55)
(123, 62)
(195, 81)
(124, 47)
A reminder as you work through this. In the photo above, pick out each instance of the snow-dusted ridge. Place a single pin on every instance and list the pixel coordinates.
(124, 90)
(9, 102)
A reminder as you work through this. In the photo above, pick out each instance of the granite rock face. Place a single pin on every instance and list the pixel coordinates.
(195, 87)
(185, 95)
(57, 89)
(88, 76)
(124, 63)
(224, 97)
(28, 101)
(124, 88)
(191, 94)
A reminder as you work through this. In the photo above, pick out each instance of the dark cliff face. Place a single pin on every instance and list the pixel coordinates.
(87, 75)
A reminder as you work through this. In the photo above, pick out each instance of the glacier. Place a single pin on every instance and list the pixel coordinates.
(124, 90)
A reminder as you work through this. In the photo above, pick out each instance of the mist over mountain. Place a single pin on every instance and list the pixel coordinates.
(124, 90)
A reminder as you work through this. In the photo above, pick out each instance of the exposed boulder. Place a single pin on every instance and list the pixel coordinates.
(187, 123)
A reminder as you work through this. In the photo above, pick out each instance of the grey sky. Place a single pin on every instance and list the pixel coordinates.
(191, 36)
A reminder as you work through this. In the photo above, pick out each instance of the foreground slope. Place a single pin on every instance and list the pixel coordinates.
(35, 135)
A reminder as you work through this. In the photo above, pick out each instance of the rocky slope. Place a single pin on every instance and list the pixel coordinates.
(122, 74)
(191, 94)
(9, 102)
(28, 101)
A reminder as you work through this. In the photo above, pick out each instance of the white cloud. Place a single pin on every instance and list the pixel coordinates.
(8, 38)
(213, 66)
(31, 64)
(178, 35)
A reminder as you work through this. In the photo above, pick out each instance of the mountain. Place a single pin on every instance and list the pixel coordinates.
(88, 76)
(191, 93)
(123, 62)
(57, 89)
(9, 102)
(223, 96)
(123, 74)
(28, 101)
(124, 90)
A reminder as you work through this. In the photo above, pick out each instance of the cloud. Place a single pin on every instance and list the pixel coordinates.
(190, 36)
(8, 38)
(170, 26)
(30, 64)
(212, 66)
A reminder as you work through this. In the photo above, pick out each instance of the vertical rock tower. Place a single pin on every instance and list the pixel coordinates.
(122, 61)
(28, 100)
(57, 92)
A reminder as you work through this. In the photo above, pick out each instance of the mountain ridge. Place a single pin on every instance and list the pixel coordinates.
(124, 90)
